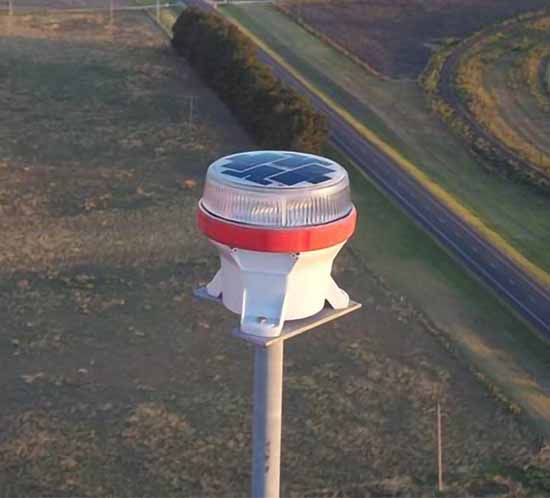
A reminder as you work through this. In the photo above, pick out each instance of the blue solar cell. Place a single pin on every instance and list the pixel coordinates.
(294, 161)
(258, 175)
(297, 161)
(313, 174)
(240, 163)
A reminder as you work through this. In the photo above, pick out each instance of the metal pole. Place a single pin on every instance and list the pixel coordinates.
(10, 7)
(158, 10)
(268, 405)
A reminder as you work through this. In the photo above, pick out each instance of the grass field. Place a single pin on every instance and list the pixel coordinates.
(397, 37)
(115, 380)
(500, 81)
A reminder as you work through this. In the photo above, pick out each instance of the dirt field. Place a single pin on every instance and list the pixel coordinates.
(397, 37)
(501, 87)
(115, 379)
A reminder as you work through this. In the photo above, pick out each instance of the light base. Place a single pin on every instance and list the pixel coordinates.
(267, 289)
(291, 328)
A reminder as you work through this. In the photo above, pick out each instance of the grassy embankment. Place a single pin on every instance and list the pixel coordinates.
(116, 380)
(500, 347)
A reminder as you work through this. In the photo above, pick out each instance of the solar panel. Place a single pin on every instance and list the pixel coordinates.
(313, 173)
(246, 161)
(258, 175)
(294, 162)
(297, 161)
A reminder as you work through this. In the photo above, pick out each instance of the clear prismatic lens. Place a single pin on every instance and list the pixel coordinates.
(277, 189)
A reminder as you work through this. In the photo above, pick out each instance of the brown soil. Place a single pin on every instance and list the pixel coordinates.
(397, 37)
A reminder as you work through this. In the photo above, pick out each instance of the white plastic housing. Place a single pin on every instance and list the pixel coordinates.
(268, 288)
(263, 188)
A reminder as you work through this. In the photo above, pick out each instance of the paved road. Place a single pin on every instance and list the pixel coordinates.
(530, 299)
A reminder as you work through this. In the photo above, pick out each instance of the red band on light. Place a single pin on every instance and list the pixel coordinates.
(276, 239)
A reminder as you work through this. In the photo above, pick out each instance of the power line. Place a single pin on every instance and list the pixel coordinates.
(110, 8)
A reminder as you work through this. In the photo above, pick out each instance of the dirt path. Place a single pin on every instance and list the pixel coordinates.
(448, 92)
(512, 106)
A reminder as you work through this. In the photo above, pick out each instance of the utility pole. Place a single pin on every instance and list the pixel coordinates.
(158, 10)
(10, 7)
(439, 450)
(191, 108)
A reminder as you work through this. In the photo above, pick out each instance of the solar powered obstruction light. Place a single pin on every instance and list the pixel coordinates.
(278, 220)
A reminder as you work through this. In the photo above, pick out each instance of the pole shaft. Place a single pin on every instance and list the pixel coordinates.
(268, 401)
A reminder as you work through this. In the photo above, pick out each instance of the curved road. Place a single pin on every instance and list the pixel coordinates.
(448, 93)
(526, 295)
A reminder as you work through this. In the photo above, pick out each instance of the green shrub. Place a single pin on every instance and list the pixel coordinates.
(273, 113)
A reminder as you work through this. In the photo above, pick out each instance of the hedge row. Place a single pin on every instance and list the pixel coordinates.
(274, 114)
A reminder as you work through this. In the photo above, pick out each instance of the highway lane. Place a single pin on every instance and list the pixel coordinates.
(526, 295)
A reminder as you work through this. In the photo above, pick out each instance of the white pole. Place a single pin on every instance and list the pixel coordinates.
(10, 7)
(268, 406)
(158, 10)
